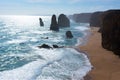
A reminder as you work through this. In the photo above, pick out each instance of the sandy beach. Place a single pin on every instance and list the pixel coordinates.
(106, 65)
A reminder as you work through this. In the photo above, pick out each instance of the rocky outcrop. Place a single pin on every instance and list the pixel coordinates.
(111, 31)
(49, 47)
(81, 18)
(63, 21)
(69, 34)
(45, 46)
(41, 22)
(56, 46)
(54, 24)
(95, 20)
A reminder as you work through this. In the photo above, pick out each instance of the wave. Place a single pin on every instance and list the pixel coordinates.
(58, 64)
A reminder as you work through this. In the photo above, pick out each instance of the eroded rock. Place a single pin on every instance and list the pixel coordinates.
(41, 22)
(69, 34)
(54, 24)
(63, 21)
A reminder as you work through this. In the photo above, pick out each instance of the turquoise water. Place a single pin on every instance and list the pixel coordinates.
(19, 55)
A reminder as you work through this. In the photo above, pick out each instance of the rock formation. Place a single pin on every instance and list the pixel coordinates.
(69, 34)
(49, 47)
(54, 24)
(63, 21)
(41, 22)
(55, 46)
(45, 46)
(111, 31)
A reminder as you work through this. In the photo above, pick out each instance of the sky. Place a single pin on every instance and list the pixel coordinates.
(49, 7)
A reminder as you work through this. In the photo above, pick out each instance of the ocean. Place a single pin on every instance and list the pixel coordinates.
(21, 59)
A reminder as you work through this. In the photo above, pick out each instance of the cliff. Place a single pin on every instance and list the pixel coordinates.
(81, 18)
(95, 19)
(110, 31)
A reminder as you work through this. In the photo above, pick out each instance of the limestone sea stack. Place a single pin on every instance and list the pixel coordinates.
(69, 35)
(54, 24)
(63, 21)
(111, 31)
(41, 22)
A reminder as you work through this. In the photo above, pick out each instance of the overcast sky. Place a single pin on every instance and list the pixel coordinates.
(49, 7)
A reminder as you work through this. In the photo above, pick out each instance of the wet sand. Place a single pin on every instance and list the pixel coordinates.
(106, 65)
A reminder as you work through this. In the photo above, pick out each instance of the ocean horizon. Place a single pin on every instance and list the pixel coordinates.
(21, 59)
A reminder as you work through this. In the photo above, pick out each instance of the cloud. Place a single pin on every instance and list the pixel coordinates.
(42, 1)
(75, 1)
(54, 1)
(66, 1)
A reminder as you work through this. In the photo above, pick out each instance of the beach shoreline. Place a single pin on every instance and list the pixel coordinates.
(106, 65)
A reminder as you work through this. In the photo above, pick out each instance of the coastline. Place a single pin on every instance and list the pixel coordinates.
(106, 65)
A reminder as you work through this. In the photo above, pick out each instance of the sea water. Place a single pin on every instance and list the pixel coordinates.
(21, 59)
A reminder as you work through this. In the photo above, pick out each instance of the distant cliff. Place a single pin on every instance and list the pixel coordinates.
(93, 18)
(81, 18)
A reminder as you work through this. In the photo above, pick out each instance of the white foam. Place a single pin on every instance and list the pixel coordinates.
(33, 70)
(82, 40)
(81, 72)
(82, 28)
(40, 32)
(27, 72)
(15, 41)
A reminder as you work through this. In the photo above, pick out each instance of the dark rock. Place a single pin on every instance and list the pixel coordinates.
(111, 31)
(63, 21)
(81, 18)
(41, 22)
(56, 46)
(69, 34)
(45, 46)
(45, 37)
(95, 20)
(54, 24)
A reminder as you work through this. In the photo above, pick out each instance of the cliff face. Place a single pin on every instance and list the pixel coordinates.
(111, 31)
(81, 18)
(95, 19)
(109, 23)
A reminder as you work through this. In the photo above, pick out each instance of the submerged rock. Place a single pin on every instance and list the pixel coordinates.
(45, 46)
(49, 47)
(54, 24)
(111, 31)
(56, 46)
(44, 37)
(63, 21)
(69, 34)
(41, 22)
